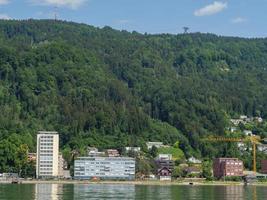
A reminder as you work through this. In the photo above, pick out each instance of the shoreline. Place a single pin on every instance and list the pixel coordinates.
(137, 182)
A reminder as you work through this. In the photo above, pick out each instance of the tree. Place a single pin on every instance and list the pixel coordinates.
(206, 169)
(21, 158)
(178, 172)
(153, 152)
(143, 167)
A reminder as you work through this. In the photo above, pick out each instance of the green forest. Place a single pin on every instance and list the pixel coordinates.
(109, 89)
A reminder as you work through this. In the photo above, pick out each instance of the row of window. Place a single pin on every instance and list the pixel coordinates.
(46, 147)
(42, 166)
(45, 168)
(45, 173)
(47, 136)
(46, 161)
(100, 164)
(46, 144)
(234, 163)
(50, 158)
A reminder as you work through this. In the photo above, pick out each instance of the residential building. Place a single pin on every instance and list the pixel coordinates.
(165, 156)
(93, 152)
(164, 162)
(242, 146)
(259, 119)
(164, 174)
(9, 176)
(47, 154)
(243, 117)
(194, 160)
(233, 129)
(223, 167)
(31, 157)
(262, 148)
(134, 149)
(165, 165)
(113, 153)
(248, 133)
(61, 162)
(236, 122)
(156, 144)
(104, 168)
(193, 170)
(264, 166)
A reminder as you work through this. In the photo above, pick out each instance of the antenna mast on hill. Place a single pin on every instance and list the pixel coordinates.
(56, 13)
(186, 29)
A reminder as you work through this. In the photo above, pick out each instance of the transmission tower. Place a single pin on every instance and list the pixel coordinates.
(186, 29)
(56, 13)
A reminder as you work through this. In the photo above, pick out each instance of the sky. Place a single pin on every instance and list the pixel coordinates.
(242, 18)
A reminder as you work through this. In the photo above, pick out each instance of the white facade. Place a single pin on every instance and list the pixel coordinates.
(47, 163)
(165, 156)
(165, 178)
(134, 149)
(104, 168)
(93, 152)
(156, 144)
(194, 160)
(248, 132)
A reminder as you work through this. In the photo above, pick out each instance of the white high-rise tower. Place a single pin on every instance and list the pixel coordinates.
(47, 154)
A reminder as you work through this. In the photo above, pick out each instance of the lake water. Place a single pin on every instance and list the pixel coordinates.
(129, 192)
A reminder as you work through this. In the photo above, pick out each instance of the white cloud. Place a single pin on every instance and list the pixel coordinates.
(4, 2)
(4, 16)
(73, 4)
(211, 9)
(238, 20)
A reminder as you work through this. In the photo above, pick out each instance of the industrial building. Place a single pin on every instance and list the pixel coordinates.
(47, 157)
(225, 167)
(122, 168)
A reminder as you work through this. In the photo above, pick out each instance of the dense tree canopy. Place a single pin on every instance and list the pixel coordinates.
(108, 88)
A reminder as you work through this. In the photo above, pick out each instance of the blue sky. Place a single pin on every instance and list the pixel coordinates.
(244, 18)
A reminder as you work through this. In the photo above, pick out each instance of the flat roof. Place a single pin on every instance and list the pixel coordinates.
(47, 132)
(105, 158)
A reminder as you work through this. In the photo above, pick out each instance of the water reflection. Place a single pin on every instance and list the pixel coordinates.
(129, 192)
(48, 191)
(234, 192)
(153, 192)
(103, 191)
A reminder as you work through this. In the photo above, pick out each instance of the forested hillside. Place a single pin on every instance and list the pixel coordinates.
(109, 88)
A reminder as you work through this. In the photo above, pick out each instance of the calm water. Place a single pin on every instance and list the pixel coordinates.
(62, 192)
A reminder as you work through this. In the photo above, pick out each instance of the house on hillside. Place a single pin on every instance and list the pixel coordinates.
(248, 132)
(113, 153)
(155, 144)
(194, 160)
(134, 149)
(165, 174)
(193, 170)
(165, 165)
